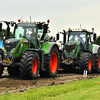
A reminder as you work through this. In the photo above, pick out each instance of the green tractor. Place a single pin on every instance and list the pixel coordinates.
(30, 51)
(79, 51)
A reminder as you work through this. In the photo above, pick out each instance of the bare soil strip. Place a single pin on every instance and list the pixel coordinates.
(16, 84)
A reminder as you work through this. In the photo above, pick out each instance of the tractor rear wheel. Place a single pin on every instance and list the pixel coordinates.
(97, 63)
(52, 62)
(29, 65)
(85, 62)
(1, 70)
(13, 71)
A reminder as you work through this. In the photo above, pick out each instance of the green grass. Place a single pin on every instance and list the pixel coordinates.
(77, 90)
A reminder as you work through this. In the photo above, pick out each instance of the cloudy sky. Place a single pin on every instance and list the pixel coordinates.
(63, 14)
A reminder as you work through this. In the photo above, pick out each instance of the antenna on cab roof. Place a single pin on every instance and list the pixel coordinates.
(80, 26)
(21, 18)
(30, 18)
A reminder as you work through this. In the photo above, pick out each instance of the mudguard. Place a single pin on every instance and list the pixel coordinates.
(48, 46)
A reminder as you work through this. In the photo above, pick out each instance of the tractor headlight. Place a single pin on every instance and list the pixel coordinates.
(12, 50)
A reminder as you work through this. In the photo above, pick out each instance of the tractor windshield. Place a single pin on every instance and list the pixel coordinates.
(26, 30)
(77, 36)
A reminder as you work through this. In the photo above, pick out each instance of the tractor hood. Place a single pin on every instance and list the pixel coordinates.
(69, 46)
(10, 43)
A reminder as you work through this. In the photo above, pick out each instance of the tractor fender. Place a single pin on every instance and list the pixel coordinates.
(95, 48)
(52, 44)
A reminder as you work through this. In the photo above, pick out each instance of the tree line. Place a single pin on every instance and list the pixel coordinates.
(2, 32)
(97, 41)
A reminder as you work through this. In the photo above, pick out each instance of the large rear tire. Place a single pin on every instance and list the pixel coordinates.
(13, 71)
(1, 70)
(29, 65)
(85, 62)
(52, 63)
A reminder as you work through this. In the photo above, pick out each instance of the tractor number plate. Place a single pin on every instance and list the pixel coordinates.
(7, 60)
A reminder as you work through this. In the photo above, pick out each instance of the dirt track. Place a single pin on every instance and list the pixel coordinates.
(16, 84)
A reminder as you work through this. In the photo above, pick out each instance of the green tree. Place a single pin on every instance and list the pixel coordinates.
(4, 31)
(97, 41)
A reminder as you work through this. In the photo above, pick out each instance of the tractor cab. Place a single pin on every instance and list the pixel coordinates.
(77, 36)
(83, 36)
(26, 32)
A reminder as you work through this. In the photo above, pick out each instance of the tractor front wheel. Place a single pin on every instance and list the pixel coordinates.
(52, 62)
(85, 62)
(29, 65)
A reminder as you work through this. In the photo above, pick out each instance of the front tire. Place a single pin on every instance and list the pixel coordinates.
(29, 65)
(85, 62)
(52, 63)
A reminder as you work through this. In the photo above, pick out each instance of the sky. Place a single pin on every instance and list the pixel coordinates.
(63, 14)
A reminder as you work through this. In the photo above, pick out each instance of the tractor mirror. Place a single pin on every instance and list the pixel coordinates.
(45, 28)
(57, 36)
(0, 27)
(94, 37)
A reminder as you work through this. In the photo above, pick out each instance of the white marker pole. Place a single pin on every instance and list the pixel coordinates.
(85, 74)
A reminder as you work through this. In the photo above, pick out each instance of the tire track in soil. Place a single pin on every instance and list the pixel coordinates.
(16, 84)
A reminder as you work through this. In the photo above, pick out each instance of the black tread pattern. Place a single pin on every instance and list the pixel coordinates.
(42, 72)
(13, 71)
(83, 62)
(26, 64)
(42, 59)
(96, 62)
(1, 71)
(48, 72)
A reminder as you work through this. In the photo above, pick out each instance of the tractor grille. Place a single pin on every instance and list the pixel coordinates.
(69, 46)
(10, 43)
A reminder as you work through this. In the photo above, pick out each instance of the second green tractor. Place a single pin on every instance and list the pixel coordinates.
(79, 51)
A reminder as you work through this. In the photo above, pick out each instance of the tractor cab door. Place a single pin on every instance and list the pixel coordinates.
(26, 31)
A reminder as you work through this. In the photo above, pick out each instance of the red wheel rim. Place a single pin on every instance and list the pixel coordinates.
(89, 63)
(34, 69)
(53, 62)
(99, 62)
(0, 67)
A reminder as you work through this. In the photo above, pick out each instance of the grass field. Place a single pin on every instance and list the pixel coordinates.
(77, 90)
